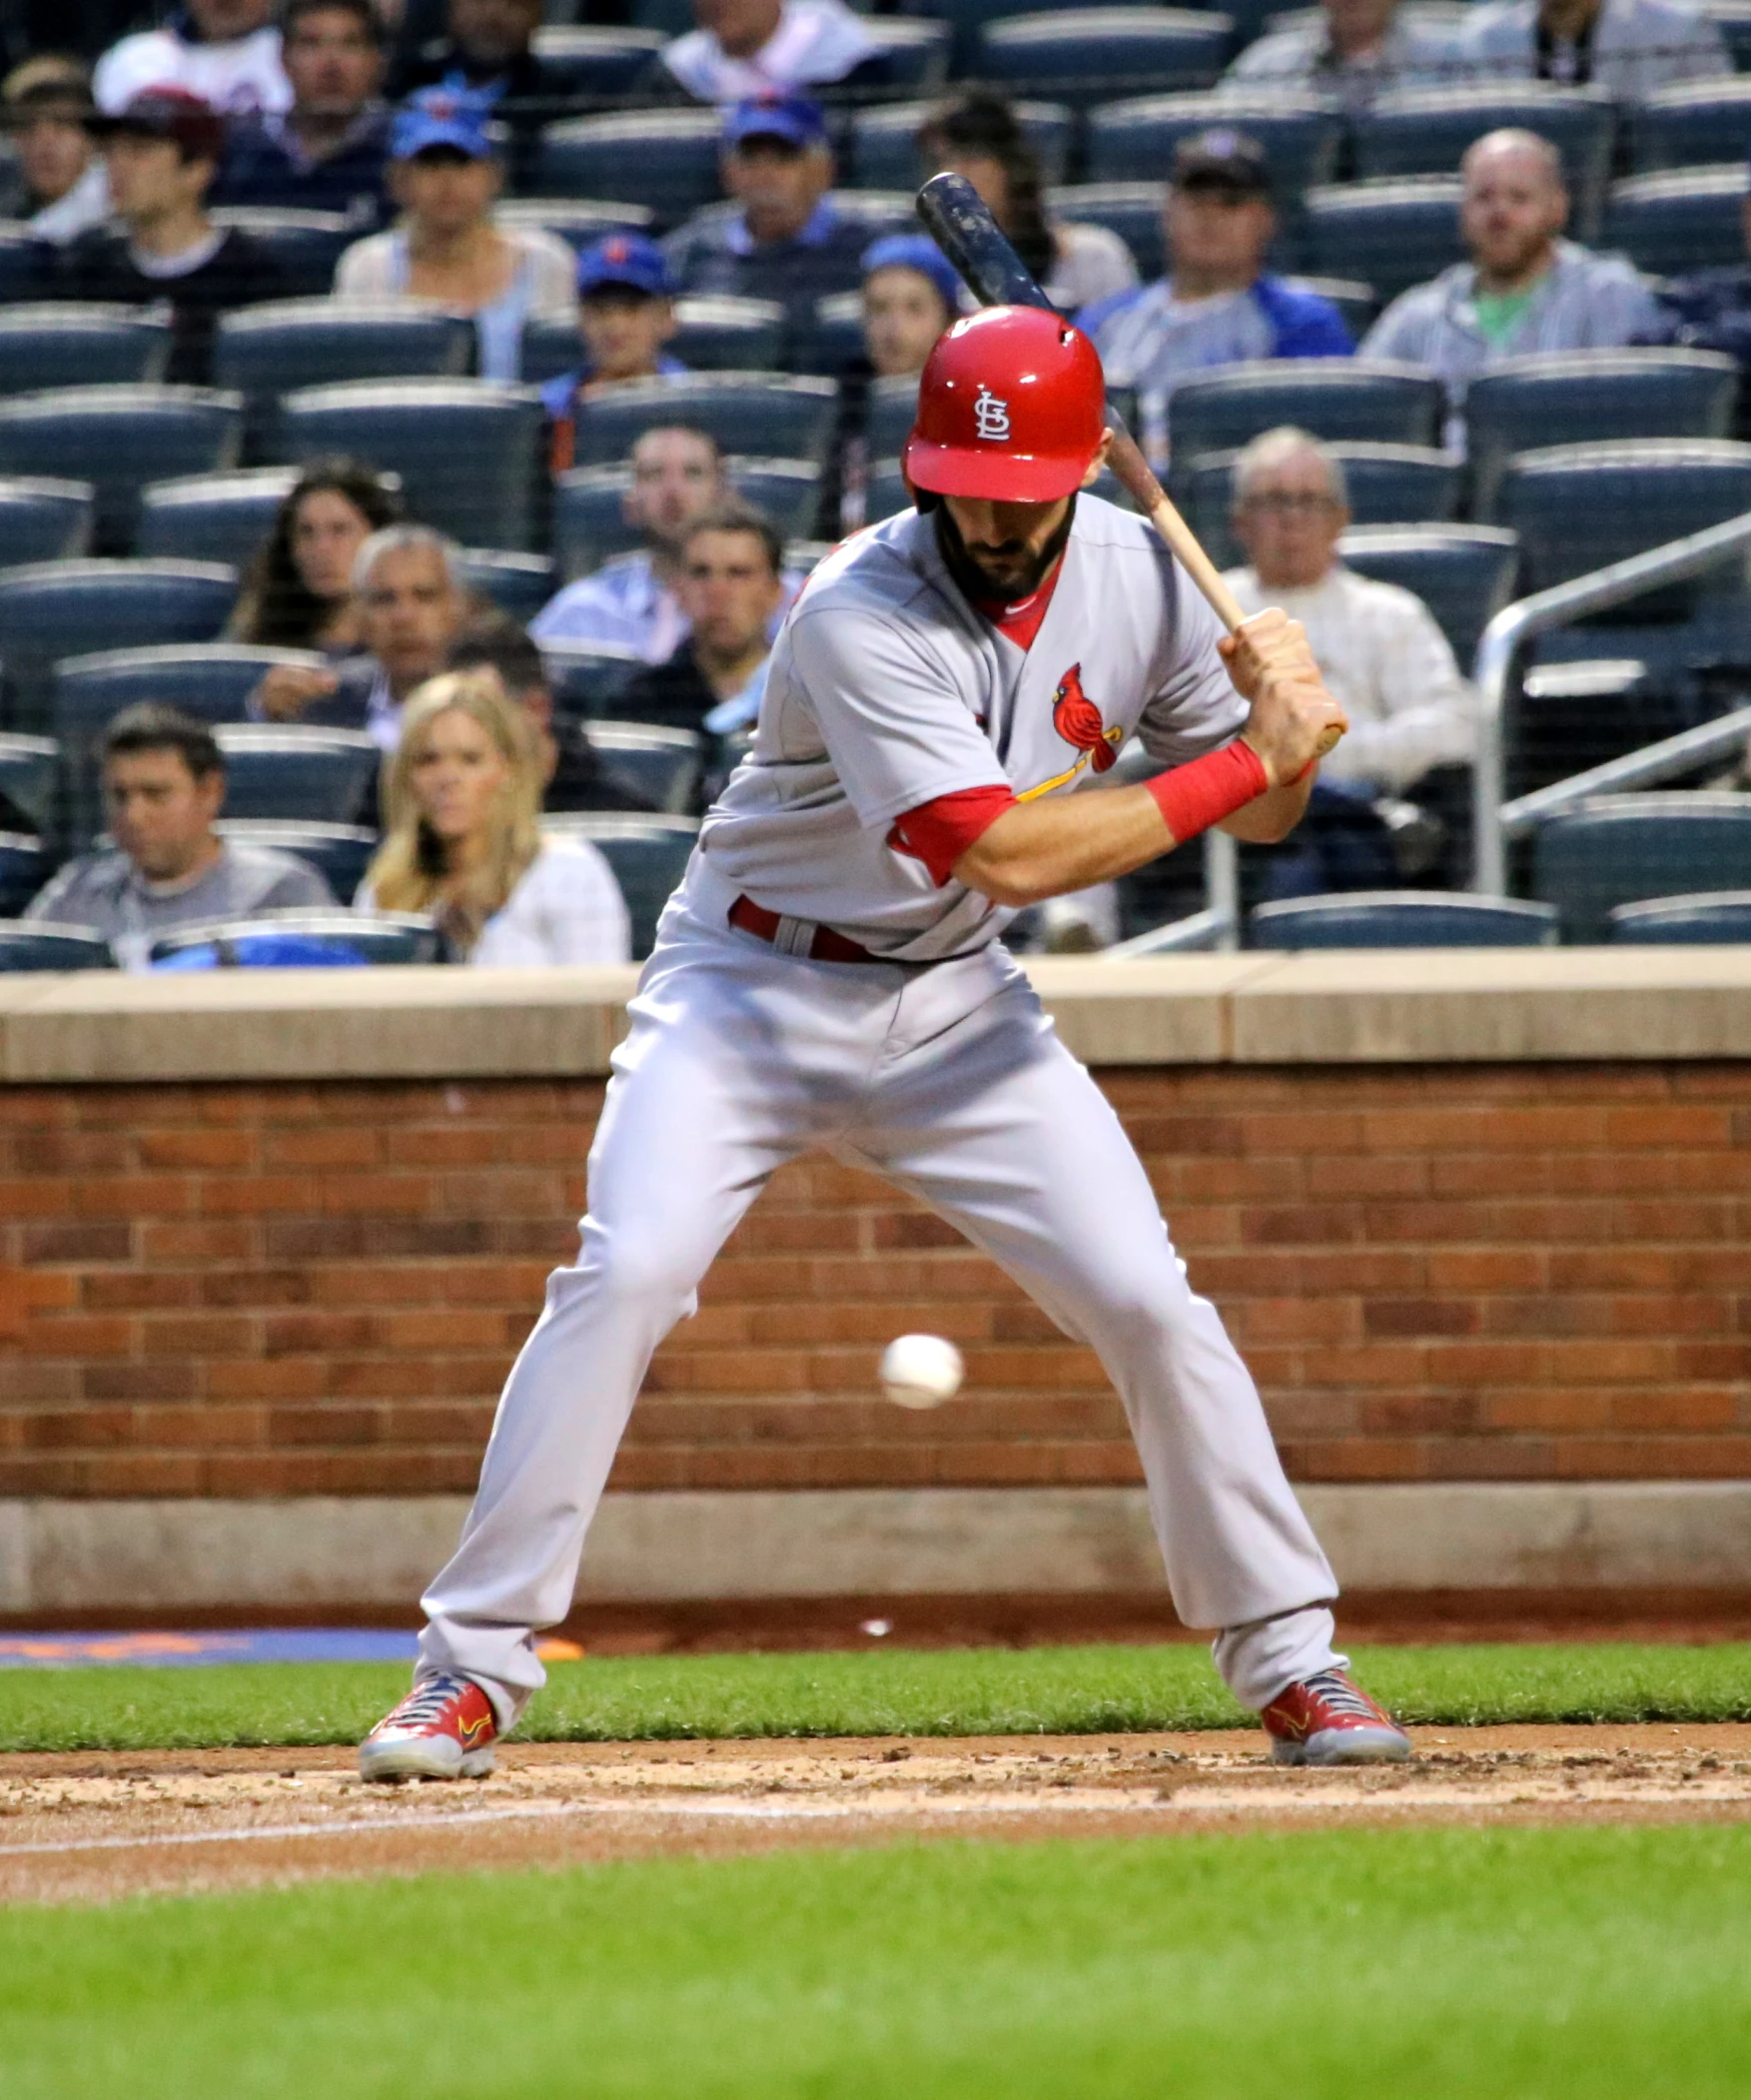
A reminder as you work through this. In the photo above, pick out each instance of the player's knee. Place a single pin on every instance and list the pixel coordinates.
(640, 1265)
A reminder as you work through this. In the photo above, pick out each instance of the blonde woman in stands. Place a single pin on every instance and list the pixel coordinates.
(461, 796)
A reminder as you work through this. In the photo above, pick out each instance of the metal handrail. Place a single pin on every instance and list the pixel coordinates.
(1217, 927)
(1653, 763)
(1514, 625)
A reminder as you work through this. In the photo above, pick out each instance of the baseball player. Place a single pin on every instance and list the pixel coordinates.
(831, 973)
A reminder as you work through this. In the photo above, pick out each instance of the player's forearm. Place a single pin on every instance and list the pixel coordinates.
(1044, 849)
(1271, 816)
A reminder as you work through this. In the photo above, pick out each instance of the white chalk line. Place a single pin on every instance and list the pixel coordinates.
(449, 1819)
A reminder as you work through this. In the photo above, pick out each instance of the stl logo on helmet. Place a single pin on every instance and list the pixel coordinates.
(991, 416)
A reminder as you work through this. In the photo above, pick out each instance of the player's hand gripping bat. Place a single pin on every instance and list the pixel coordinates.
(960, 223)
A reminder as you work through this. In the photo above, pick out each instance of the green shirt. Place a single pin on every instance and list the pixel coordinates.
(1499, 314)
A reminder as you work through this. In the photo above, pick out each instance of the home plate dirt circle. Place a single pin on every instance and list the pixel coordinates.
(94, 1825)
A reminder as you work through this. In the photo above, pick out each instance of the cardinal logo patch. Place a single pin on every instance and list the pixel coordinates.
(991, 416)
(1078, 720)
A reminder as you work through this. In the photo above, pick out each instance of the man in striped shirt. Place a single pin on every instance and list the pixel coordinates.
(1525, 288)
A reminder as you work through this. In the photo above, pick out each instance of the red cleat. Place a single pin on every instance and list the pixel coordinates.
(1328, 1720)
(443, 1729)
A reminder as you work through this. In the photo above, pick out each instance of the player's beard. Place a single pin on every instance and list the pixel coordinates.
(1016, 575)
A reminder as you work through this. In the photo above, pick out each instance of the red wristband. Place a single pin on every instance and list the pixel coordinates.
(1193, 797)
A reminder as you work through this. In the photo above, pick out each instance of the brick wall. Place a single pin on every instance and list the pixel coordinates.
(1436, 1273)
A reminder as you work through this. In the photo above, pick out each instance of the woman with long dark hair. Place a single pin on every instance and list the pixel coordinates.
(978, 135)
(299, 591)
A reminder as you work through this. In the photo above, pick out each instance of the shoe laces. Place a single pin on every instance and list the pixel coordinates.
(428, 1699)
(1331, 1688)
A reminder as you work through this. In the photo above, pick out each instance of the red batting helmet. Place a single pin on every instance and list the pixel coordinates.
(1011, 407)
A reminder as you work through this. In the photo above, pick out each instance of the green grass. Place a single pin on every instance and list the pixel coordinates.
(888, 1691)
(1514, 1965)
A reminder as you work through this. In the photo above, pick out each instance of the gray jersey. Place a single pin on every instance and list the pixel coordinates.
(887, 691)
(102, 890)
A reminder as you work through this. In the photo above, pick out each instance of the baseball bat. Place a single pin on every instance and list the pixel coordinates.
(960, 223)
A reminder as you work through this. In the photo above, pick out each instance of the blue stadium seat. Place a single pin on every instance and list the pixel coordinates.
(885, 157)
(1132, 210)
(1463, 574)
(1424, 130)
(1692, 124)
(915, 49)
(716, 334)
(1389, 485)
(1573, 716)
(893, 408)
(583, 62)
(300, 941)
(1391, 232)
(967, 20)
(1082, 55)
(265, 350)
(340, 853)
(1580, 508)
(1685, 219)
(287, 770)
(119, 439)
(1301, 134)
(760, 413)
(1716, 916)
(43, 518)
(51, 609)
(24, 264)
(587, 677)
(24, 868)
(836, 338)
(648, 855)
(79, 346)
(1402, 918)
(1355, 302)
(1733, 19)
(589, 525)
(305, 244)
(212, 516)
(1334, 397)
(519, 584)
(39, 945)
(28, 769)
(665, 160)
(661, 764)
(1618, 849)
(1589, 395)
(879, 212)
(886, 493)
(579, 220)
(547, 351)
(468, 451)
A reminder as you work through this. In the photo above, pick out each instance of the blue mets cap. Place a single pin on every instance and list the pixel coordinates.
(444, 117)
(625, 259)
(915, 252)
(792, 118)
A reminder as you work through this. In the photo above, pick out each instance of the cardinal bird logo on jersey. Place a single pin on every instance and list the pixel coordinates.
(1078, 720)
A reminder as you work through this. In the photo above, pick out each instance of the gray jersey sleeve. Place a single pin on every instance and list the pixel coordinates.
(897, 733)
(1194, 707)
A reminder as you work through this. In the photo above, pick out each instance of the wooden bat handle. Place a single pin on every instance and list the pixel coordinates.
(1125, 456)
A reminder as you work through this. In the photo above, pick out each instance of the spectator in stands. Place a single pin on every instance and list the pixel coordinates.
(630, 602)
(161, 154)
(445, 174)
(1525, 288)
(1629, 47)
(743, 48)
(626, 314)
(1378, 647)
(328, 151)
(412, 606)
(1351, 50)
(164, 785)
(572, 776)
(731, 590)
(783, 239)
(464, 843)
(44, 106)
(1710, 309)
(490, 52)
(978, 135)
(1217, 305)
(298, 593)
(910, 295)
(225, 51)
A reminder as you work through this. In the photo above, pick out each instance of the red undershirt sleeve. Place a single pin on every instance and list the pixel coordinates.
(938, 832)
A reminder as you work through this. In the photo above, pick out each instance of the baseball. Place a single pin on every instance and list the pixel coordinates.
(921, 1370)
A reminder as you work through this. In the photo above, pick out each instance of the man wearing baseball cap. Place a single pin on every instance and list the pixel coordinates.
(626, 314)
(161, 154)
(1217, 305)
(783, 238)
